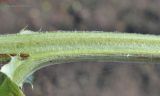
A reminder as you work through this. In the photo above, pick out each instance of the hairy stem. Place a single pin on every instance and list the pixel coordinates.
(37, 49)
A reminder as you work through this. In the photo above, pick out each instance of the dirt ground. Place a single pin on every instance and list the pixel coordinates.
(96, 79)
(133, 16)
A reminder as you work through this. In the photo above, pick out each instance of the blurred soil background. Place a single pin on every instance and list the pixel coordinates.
(88, 78)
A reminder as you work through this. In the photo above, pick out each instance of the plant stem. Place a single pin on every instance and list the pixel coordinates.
(60, 47)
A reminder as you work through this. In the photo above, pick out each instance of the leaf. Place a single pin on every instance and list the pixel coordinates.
(8, 88)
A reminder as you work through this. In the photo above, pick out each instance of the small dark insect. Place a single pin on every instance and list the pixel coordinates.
(24, 56)
(13, 54)
(4, 59)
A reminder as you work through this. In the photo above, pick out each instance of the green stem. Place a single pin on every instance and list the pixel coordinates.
(62, 47)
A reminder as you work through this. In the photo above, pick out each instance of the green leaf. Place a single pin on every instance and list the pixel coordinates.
(8, 88)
